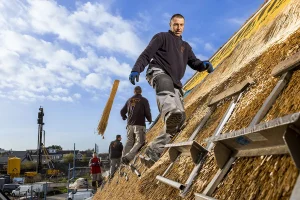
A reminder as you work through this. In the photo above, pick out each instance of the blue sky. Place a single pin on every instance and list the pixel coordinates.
(65, 55)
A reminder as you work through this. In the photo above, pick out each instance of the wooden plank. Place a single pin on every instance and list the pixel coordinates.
(271, 98)
(287, 65)
(202, 197)
(231, 91)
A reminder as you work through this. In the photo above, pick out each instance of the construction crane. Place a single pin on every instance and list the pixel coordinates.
(51, 171)
(40, 122)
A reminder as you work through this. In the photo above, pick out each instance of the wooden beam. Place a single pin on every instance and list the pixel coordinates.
(202, 197)
(231, 91)
(286, 65)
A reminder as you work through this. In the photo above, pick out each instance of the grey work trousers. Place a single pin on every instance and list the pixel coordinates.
(166, 101)
(135, 140)
(114, 165)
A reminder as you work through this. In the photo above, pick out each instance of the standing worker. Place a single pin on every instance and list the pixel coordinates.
(115, 154)
(95, 165)
(167, 55)
(137, 108)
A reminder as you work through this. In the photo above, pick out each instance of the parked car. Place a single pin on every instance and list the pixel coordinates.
(21, 190)
(8, 188)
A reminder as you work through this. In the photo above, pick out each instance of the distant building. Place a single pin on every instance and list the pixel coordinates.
(2, 151)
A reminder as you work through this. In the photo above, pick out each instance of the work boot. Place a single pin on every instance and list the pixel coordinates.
(173, 120)
(125, 161)
(152, 154)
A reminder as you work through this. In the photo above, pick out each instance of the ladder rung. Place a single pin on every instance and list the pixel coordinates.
(273, 137)
(202, 197)
(189, 148)
(171, 183)
(134, 169)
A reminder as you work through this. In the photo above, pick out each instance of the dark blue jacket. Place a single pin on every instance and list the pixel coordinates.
(170, 53)
(115, 149)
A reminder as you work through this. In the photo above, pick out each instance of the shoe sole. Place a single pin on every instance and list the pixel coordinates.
(173, 121)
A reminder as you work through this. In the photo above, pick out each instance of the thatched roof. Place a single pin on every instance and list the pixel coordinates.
(265, 177)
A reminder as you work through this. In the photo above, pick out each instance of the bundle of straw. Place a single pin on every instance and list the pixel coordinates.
(104, 119)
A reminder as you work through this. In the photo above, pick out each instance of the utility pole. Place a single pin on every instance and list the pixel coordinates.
(40, 122)
(44, 143)
(74, 157)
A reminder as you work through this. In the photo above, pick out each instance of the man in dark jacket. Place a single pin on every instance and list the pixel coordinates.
(167, 55)
(115, 154)
(137, 109)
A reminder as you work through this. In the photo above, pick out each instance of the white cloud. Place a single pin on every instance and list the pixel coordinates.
(201, 57)
(236, 21)
(209, 47)
(77, 95)
(195, 42)
(113, 66)
(35, 64)
(166, 18)
(94, 80)
(59, 91)
(106, 32)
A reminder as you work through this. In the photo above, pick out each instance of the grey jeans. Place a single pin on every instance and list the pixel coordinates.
(166, 101)
(135, 140)
(114, 165)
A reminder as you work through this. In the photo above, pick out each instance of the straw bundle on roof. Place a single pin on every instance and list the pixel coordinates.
(104, 119)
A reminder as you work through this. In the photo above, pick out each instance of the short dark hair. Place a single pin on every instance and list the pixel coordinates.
(177, 15)
(118, 136)
(138, 90)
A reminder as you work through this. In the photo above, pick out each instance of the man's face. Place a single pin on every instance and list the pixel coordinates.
(177, 26)
(95, 155)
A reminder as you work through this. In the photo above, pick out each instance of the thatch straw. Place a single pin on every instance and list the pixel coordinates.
(105, 116)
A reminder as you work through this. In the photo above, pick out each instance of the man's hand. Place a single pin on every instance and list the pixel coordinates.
(208, 66)
(124, 118)
(149, 123)
(134, 76)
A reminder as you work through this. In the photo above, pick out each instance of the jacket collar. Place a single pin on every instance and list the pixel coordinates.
(174, 34)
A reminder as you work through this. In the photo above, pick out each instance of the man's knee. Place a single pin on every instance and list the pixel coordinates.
(164, 83)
